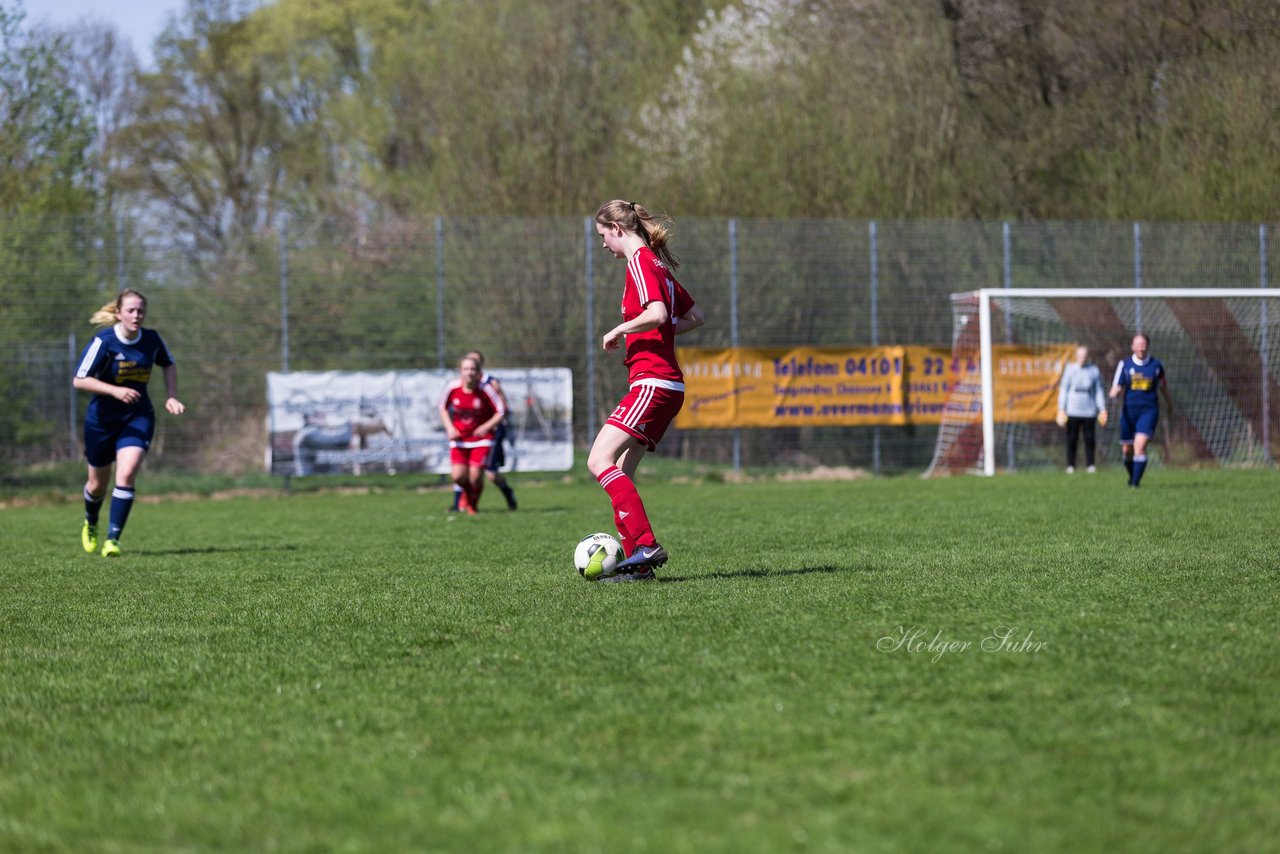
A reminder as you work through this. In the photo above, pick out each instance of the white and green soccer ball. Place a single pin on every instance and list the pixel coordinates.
(596, 556)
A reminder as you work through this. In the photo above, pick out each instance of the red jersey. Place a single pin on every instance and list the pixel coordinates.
(652, 355)
(468, 410)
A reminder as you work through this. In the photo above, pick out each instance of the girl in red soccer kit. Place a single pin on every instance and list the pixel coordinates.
(469, 411)
(655, 309)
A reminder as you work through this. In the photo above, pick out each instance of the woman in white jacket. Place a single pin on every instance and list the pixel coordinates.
(1081, 402)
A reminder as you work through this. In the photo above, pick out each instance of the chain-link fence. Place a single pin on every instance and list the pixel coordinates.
(533, 292)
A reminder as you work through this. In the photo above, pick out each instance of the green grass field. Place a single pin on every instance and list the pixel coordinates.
(820, 668)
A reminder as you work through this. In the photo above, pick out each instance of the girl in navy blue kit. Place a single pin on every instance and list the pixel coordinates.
(1141, 379)
(120, 421)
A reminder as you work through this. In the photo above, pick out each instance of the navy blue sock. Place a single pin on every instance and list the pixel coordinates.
(508, 492)
(457, 495)
(121, 504)
(1139, 466)
(1128, 466)
(92, 506)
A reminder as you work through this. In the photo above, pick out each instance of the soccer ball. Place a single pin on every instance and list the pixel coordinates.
(596, 556)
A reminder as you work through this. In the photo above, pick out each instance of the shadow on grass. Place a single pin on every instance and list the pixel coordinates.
(754, 573)
(210, 550)
(500, 510)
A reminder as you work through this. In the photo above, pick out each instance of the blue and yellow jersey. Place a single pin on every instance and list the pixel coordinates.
(1141, 383)
(114, 360)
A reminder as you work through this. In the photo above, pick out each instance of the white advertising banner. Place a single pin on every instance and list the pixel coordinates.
(361, 422)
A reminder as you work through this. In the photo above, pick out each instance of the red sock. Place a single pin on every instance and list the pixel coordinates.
(628, 509)
(624, 537)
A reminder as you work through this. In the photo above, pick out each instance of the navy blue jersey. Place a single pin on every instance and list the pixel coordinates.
(118, 362)
(1141, 383)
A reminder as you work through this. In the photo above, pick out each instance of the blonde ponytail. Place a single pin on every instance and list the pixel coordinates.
(105, 316)
(654, 230)
(109, 314)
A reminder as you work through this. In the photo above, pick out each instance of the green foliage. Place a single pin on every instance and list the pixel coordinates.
(46, 131)
(46, 195)
(44, 180)
(750, 108)
(206, 141)
(353, 671)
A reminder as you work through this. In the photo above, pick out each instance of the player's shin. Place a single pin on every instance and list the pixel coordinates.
(92, 506)
(627, 505)
(121, 503)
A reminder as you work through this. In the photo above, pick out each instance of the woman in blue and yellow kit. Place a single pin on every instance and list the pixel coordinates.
(120, 421)
(1141, 379)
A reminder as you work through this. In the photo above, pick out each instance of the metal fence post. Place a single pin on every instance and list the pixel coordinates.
(588, 241)
(121, 267)
(1263, 343)
(71, 396)
(874, 253)
(733, 325)
(284, 292)
(440, 292)
(1008, 325)
(1137, 276)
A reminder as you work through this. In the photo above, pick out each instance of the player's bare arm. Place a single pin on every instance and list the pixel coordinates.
(487, 427)
(122, 393)
(171, 404)
(449, 429)
(690, 320)
(654, 315)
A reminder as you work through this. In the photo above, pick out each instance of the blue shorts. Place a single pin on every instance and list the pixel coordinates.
(102, 441)
(497, 457)
(1143, 421)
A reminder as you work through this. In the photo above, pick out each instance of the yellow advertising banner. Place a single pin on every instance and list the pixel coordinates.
(1026, 381)
(800, 386)
(894, 386)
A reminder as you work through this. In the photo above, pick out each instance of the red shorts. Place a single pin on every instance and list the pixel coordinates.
(469, 457)
(646, 412)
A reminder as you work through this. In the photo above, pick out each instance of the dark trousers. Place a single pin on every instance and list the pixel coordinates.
(1075, 426)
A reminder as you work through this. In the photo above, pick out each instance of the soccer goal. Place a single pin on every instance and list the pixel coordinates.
(1220, 348)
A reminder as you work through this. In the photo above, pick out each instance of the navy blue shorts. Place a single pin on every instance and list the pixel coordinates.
(102, 441)
(497, 456)
(1143, 421)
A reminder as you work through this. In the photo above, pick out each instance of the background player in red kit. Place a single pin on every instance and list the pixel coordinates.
(497, 456)
(655, 309)
(470, 411)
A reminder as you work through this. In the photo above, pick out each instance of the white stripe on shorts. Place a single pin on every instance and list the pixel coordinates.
(643, 400)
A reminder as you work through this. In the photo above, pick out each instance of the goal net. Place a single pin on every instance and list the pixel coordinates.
(1220, 349)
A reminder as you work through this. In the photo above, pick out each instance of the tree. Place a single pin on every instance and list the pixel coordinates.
(800, 109)
(509, 107)
(45, 187)
(202, 148)
(1058, 91)
(45, 132)
(103, 72)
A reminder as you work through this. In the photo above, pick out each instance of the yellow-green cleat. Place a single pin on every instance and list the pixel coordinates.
(111, 548)
(89, 537)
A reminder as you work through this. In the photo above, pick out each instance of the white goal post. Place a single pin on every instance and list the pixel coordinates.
(1220, 348)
